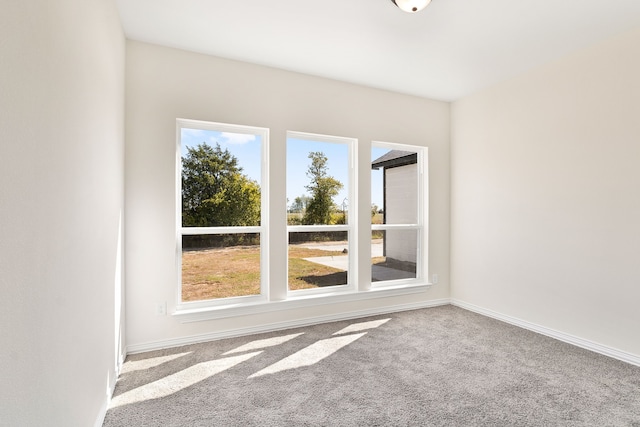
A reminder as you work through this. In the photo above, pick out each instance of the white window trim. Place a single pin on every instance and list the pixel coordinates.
(247, 305)
(297, 302)
(350, 227)
(262, 229)
(422, 251)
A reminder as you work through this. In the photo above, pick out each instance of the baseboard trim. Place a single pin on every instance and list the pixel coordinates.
(111, 389)
(194, 339)
(102, 414)
(561, 336)
(105, 405)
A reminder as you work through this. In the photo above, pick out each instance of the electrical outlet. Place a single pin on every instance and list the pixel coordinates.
(161, 309)
(434, 278)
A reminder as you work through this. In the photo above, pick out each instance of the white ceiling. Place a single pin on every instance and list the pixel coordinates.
(447, 51)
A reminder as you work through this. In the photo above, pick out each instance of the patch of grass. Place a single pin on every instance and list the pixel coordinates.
(304, 274)
(235, 271)
(220, 273)
(378, 260)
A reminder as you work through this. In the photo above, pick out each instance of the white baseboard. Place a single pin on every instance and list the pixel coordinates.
(105, 406)
(102, 414)
(561, 336)
(109, 394)
(193, 339)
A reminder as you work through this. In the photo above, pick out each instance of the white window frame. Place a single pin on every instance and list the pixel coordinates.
(350, 227)
(262, 229)
(273, 297)
(422, 255)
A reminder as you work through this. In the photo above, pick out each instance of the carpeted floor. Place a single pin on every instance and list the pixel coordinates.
(440, 366)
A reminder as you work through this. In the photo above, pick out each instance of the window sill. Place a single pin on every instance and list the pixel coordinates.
(294, 302)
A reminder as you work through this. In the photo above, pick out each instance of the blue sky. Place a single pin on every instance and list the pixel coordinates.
(298, 163)
(337, 154)
(247, 149)
(243, 146)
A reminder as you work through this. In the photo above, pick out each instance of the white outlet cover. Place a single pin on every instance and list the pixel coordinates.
(161, 309)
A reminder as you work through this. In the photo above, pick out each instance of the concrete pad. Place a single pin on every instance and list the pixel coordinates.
(378, 273)
(340, 262)
(376, 248)
(334, 246)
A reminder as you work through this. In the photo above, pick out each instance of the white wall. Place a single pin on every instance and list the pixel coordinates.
(546, 196)
(164, 84)
(61, 201)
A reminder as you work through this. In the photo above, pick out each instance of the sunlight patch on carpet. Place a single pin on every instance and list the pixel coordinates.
(179, 381)
(310, 355)
(265, 343)
(356, 327)
(140, 365)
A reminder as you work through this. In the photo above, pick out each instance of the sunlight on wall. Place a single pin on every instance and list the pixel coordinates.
(117, 303)
(310, 355)
(180, 380)
(268, 342)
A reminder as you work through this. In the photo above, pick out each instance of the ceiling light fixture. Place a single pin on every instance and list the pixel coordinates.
(411, 6)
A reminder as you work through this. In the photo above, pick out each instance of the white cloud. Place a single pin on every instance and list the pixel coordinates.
(195, 133)
(235, 138)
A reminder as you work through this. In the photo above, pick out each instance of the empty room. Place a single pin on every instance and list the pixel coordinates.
(331, 213)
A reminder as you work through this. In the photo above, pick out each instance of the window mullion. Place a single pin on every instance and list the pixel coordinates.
(395, 226)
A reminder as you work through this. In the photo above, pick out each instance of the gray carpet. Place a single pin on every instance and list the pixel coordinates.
(441, 366)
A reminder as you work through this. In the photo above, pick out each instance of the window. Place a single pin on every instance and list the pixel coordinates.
(320, 217)
(397, 213)
(222, 202)
(222, 236)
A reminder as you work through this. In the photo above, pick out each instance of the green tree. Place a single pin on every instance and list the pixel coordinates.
(323, 189)
(300, 204)
(215, 192)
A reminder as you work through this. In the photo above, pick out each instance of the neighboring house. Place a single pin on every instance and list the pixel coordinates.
(400, 189)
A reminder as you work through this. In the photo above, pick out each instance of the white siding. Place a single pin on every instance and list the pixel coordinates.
(401, 208)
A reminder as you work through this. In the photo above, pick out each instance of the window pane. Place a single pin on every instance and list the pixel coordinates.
(317, 182)
(318, 259)
(394, 186)
(220, 178)
(393, 254)
(220, 266)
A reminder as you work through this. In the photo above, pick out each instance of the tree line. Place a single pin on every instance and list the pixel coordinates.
(216, 192)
